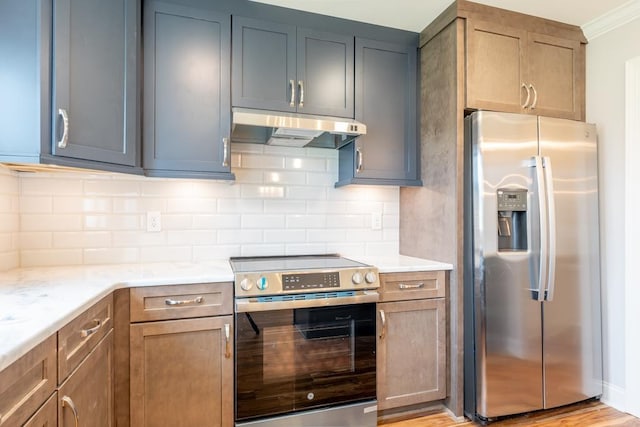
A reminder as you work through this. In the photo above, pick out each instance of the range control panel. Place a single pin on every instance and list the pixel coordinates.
(291, 282)
(306, 281)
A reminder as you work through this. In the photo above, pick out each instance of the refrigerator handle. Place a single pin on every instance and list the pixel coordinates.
(544, 229)
(551, 210)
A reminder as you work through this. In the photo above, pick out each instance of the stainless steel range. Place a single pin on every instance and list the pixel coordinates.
(305, 341)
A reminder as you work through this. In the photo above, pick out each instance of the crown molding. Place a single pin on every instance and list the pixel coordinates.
(612, 20)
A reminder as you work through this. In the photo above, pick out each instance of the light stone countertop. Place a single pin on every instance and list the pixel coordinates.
(37, 302)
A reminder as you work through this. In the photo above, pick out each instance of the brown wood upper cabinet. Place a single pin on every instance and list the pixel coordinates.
(517, 70)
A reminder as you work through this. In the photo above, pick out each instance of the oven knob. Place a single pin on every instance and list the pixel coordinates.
(370, 277)
(246, 284)
(262, 283)
(356, 278)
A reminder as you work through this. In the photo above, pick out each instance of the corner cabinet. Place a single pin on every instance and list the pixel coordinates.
(385, 101)
(181, 355)
(187, 115)
(514, 70)
(411, 328)
(94, 92)
(73, 83)
(285, 68)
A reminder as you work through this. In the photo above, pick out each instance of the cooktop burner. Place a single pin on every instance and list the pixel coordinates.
(291, 263)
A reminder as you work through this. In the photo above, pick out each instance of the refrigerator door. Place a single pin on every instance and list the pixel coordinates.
(507, 315)
(571, 316)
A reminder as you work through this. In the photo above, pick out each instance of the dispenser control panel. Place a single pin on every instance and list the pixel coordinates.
(512, 200)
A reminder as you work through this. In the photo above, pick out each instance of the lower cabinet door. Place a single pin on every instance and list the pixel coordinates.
(182, 372)
(47, 415)
(86, 397)
(411, 352)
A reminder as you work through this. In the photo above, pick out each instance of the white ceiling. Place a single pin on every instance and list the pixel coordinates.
(415, 15)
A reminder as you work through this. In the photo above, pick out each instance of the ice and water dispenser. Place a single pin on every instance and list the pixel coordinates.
(512, 219)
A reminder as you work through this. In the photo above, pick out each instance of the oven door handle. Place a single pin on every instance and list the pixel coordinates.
(248, 305)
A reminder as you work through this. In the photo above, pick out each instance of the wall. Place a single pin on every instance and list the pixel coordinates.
(9, 219)
(606, 57)
(283, 201)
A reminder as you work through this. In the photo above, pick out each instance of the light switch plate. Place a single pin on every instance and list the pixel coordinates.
(376, 221)
(154, 221)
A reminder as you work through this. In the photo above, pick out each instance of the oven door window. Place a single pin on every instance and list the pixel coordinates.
(292, 360)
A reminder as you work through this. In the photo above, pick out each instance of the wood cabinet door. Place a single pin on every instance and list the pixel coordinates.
(264, 65)
(187, 118)
(556, 72)
(95, 80)
(325, 73)
(495, 67)
(411, 352)
(86, 396)
(182, 372)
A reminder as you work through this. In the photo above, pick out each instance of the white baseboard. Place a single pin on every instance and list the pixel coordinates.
(614, 396)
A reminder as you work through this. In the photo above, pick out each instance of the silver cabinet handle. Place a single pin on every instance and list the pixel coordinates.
(225, 152)
(360, 160)
(292, 101)
(526, 102)
(196, 300)
(65, 128)
(535, 97)
(84, 333)
(416, 286)
(227, 338)
(383, 329)
(551, 209)
(66, 401)
(301, 87)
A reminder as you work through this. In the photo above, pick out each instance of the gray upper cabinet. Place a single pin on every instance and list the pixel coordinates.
(94, 95)
(385, 101)
(284, 68)
(187, 115)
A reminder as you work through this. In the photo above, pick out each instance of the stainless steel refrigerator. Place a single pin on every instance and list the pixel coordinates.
(532, 269)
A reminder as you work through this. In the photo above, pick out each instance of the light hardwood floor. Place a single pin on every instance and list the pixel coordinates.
(589, 414)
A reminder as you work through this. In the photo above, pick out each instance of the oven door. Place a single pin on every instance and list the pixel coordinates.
(290, 360)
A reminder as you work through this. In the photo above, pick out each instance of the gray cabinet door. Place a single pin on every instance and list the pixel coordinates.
(94, 80)
(186, 95)
(385, 101)
(264, 65)
(325, 73)
(283, 68)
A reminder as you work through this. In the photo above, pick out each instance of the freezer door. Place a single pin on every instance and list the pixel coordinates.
(507, 316)
(571, 318)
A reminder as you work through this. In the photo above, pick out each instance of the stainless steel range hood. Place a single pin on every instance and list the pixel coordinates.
(293, 130)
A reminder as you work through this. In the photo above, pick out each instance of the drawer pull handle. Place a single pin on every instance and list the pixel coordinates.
(84, 333)
(196, 300)
(227, 338)
(66, 401)
(383, 320)
(416, 286)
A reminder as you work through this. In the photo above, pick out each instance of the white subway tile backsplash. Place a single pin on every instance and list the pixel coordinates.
(262, 221)
(283, 201)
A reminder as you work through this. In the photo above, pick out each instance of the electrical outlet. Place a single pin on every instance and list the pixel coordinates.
(376, 221)
(154, 221)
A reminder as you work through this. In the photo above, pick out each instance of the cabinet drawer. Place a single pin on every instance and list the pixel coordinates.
(80, 336)
(181, 301)
(26, 383)
(47, 415)
(413, 285)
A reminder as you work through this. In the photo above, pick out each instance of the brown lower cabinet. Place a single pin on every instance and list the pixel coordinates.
(181, 356)
(86, 397)
(411, 349)
(47, 415)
